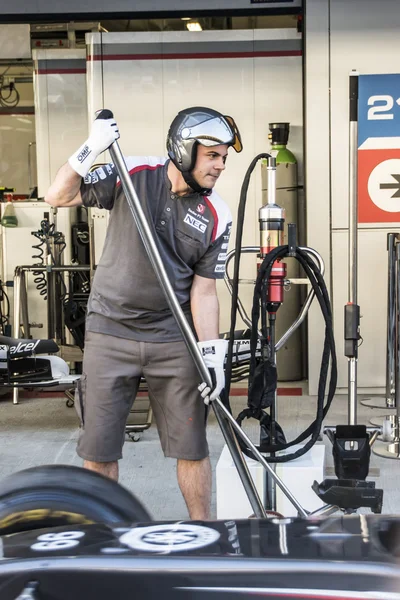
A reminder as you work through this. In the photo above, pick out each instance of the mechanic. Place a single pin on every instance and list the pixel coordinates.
(130, 330)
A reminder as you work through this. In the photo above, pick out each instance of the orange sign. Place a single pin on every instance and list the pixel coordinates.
(379, 186)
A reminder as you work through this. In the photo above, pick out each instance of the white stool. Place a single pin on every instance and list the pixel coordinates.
(298, 475)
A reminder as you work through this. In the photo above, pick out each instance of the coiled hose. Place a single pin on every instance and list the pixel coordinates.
(45, 233)
(39, 279)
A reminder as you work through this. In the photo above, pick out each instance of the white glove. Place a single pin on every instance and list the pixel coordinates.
(213, 353)
(104, 132)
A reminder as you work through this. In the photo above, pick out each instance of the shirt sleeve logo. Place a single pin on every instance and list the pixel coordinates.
(201, 208)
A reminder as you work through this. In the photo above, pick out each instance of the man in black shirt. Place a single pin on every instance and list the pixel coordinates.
(130, 330)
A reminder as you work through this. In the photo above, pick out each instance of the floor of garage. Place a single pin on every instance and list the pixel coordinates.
(42, 430)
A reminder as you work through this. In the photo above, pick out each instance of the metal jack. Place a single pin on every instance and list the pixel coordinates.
(226, 421)
(388, 402)
(352, 442)
(391, 425)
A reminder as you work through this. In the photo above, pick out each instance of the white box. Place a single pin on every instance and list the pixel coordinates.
(232, 501)
(15, 41)
(298, 475)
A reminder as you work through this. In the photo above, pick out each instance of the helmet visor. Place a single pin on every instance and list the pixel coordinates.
(237, 140)
(214, 132)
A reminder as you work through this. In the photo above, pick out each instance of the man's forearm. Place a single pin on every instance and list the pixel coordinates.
(205, 313)
(65, 190)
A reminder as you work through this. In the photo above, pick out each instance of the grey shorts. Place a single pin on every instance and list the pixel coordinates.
(112, 368)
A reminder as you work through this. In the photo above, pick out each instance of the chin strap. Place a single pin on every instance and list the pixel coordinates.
(190, 180)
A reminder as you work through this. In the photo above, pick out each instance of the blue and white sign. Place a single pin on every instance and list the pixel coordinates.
(378, 149)
(378, 111)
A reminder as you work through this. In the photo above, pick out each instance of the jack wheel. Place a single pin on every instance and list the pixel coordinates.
(387, 430)
(134, 436)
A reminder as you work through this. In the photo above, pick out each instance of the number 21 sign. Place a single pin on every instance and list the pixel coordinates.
(379, 149)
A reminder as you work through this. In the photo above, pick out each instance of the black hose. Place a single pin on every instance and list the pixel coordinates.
(235, 285)
(47, 231)
(39, 276)
(329, 351)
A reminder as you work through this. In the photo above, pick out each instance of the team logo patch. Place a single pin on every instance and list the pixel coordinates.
(219, 269)
(94, 177)
(195, 223)
(169, 538)
(209, 350)
(101, 173)
(201, 208)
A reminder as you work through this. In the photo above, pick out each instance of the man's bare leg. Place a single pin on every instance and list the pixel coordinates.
(108, 469)
(194, 478)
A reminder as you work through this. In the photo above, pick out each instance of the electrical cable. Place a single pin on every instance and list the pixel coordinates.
(13, 98)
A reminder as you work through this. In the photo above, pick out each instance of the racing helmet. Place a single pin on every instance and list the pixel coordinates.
(199, 125)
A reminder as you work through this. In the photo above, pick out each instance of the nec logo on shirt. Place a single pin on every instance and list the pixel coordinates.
(195, 223)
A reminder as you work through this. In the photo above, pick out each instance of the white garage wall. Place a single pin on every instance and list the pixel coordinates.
(60, 108)
(61, 123)
(255, 76)
(341, 36)
(17, 138)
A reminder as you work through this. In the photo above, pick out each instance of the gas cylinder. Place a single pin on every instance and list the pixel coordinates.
(289, 357)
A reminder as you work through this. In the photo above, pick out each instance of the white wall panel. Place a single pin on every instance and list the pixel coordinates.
(15, 41)
(17, 132)
(317, 164)
(147, 78)
(61, 109)
(372, 298)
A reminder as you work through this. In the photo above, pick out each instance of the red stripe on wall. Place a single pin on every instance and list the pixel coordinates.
(59, 71)
(282, 391)
(174, 56)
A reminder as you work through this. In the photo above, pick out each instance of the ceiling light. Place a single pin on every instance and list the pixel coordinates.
(194, 26)
(186, 18)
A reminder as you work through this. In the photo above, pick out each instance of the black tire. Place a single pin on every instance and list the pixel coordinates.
(55, 495)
